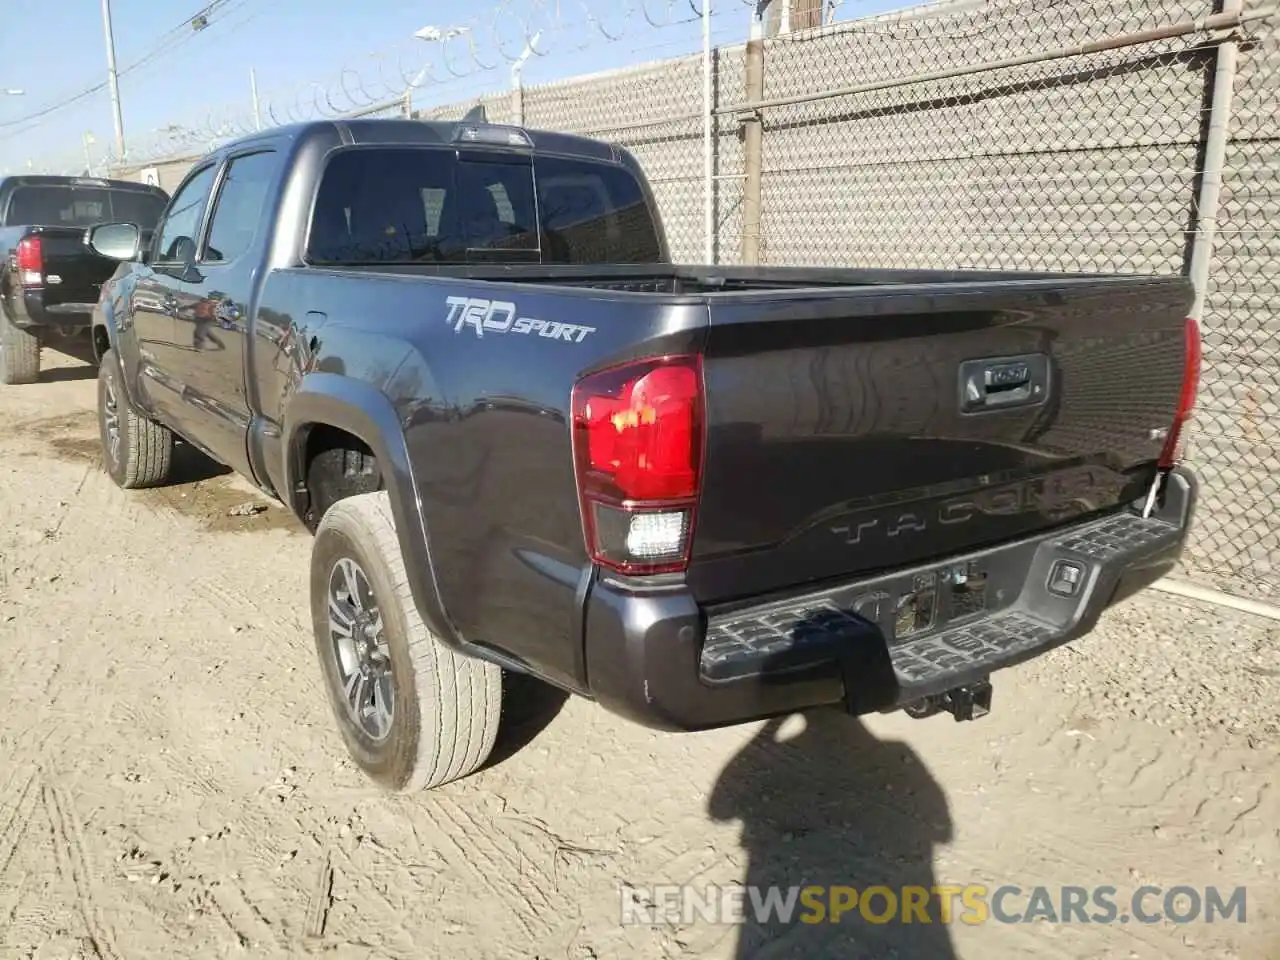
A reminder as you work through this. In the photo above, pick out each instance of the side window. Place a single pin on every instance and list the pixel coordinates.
(239, 207)
(176, 242)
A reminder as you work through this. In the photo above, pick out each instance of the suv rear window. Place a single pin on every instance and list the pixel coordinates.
(51, 205)
(424, 205)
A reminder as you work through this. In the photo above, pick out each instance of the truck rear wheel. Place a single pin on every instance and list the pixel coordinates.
(136, 452)
(19, 354)
(413, 713)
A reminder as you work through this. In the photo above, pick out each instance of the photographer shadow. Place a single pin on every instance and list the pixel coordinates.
(834, 806)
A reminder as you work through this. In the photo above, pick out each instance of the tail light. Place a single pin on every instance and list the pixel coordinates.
(1187, 396)
(638, 434)
(30, 257)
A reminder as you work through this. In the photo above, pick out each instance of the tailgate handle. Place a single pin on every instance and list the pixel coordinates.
(999, 383)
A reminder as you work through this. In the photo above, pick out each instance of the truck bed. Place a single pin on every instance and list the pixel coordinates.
(697, 281)
(839, 442)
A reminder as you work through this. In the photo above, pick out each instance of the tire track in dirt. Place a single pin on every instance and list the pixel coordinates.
(73, 862)
(17, 814)
(1067, 782)
(92, 511)
(485, 864)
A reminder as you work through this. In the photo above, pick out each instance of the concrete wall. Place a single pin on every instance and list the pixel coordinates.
(171, 171)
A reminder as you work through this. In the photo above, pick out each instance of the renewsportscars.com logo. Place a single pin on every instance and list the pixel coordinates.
(971, 904)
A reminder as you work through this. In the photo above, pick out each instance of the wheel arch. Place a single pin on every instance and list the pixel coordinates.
(335, 402)
(100, 339)
(104, 335)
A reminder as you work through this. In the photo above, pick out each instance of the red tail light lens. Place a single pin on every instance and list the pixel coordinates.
(1187, 397)
(30, 257)
(637, 437)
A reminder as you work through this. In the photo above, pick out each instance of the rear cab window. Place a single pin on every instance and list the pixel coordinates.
(434, 205)
(82, 205)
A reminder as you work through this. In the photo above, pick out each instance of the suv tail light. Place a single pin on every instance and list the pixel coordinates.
(638, 433)
(30, 257)
(1187, 397)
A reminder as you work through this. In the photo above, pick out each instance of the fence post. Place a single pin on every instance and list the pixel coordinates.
(708, 147)
(1215, 156)
(752, 151)
(517, 78)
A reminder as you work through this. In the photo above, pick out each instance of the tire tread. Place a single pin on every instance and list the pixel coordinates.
(147, 446)
(459, 697)
(19, 354)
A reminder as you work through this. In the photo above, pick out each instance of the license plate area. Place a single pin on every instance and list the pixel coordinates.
(937, 598)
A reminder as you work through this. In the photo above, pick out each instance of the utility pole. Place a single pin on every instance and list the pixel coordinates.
(113, 78)
(257, 105)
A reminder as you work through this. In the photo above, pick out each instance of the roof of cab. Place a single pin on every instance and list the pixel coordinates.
(47, 180)
(426, 132)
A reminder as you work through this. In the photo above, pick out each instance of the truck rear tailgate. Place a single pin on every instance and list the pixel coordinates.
(856, 431)
(72, 273)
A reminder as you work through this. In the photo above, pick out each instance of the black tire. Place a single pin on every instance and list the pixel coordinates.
(444, 707)
(19, 354)
(142, 452)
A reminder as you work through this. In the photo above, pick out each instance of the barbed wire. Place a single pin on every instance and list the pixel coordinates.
(458, 61)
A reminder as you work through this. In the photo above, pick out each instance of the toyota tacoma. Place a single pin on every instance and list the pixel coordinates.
(49, 279)
(525, 441)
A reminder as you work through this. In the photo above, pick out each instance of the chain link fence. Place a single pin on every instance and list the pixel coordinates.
(1237, 441)
(1074, 136)
(1069, 135)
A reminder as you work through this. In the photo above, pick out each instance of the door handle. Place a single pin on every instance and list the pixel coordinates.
(170, 306)
(1000, 383)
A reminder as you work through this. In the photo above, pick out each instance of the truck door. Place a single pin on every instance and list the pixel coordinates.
(211, 339)
(158, 297)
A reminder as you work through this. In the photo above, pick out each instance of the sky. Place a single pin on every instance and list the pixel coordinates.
(172, 74)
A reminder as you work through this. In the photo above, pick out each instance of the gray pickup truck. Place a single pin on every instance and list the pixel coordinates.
(526, 442)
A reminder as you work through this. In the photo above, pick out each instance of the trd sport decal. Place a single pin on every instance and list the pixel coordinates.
(499, 316)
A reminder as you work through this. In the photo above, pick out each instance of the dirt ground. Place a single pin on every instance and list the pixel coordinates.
(171, 783)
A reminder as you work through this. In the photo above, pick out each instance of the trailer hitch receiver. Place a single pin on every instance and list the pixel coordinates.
(969, 702)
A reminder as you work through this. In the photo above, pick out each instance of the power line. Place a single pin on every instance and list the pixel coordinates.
(158, 50)
(74, 98)
(162, 48)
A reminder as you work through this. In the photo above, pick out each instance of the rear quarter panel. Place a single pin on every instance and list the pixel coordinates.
(485, 418)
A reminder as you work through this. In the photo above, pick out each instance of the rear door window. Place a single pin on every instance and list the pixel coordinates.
(239, 208)
(432, 205)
